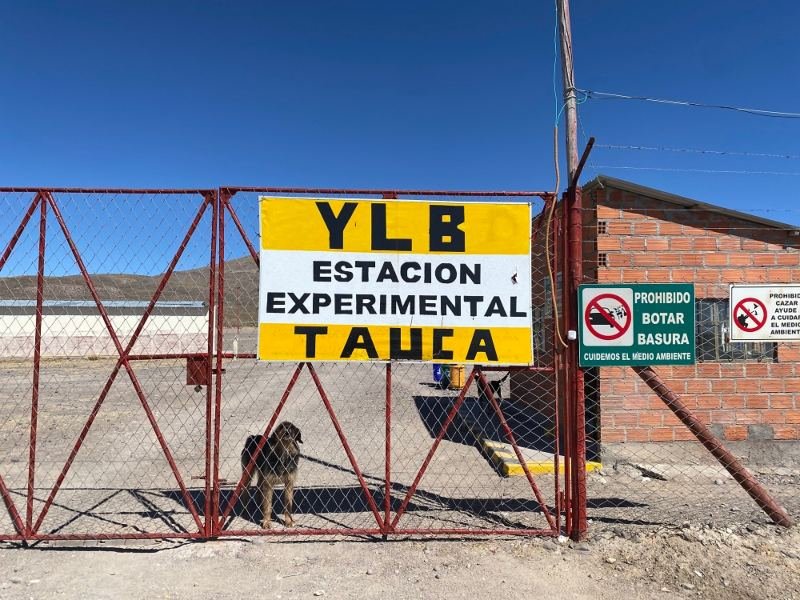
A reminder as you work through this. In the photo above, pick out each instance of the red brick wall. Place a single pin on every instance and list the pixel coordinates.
(652, 241)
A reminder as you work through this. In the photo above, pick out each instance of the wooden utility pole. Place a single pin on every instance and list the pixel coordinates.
(568, 85)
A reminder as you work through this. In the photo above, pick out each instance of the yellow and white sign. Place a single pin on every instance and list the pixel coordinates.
(364, 280)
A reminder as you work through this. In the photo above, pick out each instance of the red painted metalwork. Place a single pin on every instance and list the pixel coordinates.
(704, 435)
(464, 531)
(22, 224)
(387, 193)
(212, 525)
(82, 537)
(37, 361)
(12, 509)
(387, 459)
(212, 199)
(487, 390)
(123, 361)
(386, 525)
(575, 378)
(69, 190)
(345, 444)
(19, 526)
(450, 416)
(227, 203)
(222, 199)
(298, 531)
(559, 249)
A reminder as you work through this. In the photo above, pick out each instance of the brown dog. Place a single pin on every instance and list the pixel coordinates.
(276, 464)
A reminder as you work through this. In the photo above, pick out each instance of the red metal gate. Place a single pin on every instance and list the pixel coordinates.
(132, 422)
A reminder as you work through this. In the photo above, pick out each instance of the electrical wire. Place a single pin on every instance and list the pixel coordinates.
(759, 112)
(697, 151)
(548, 221)
(680, 170)
(554, 199)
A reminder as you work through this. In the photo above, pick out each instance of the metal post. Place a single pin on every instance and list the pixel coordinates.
(750, 484)
(575, 379)
(37, 359)
(208, 525)
(387, 474)
(222, 201)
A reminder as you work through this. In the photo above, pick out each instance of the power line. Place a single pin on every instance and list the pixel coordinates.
(698, 151)
(679, 170)
(759, 112)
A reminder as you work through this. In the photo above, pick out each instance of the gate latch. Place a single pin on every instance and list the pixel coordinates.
(197, 371)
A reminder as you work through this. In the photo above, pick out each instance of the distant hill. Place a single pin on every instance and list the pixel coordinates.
(241, 288)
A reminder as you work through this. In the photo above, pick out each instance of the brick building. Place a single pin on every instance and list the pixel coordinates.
(634, 234)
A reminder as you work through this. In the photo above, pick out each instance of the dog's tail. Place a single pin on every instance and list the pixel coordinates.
(249, 450)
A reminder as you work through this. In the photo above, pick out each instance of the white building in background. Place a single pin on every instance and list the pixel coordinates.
(74, 328)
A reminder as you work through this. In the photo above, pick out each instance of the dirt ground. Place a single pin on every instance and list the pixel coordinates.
(663, 524)
(752, 563)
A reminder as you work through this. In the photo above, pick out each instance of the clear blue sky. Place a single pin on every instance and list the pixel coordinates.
(412, 94)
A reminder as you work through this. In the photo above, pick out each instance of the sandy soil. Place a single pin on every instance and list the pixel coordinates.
(763, 562)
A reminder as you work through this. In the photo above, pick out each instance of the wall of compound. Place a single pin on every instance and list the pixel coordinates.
(741, 393)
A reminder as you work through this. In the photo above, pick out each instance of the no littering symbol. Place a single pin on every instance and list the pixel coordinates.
(607, 316)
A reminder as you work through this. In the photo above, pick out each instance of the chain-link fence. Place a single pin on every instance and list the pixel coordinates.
(129, 397)
(100, 434)
(386, 449)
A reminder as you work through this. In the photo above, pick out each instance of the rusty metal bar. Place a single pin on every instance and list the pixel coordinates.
(242, 232)
(466, 531)
(575, 378)
(37, 362)
(20, 228)
(297, 531)
(489, 393)
(66, 537)
(141, 191)
(76, 447)
(374, 532)
(387, 193)
(561, 359)
(489, 368)
(131, 374)
(345, 444)
(750, 484)
(212, 266)
(112, 377)
(184, 355)
(450, 416)
(219, 344)
(387, 461)
(12, 510)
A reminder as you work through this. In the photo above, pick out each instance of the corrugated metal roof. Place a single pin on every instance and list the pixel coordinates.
(602, 181)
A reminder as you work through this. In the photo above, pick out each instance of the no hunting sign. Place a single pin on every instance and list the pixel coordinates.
(765, 312)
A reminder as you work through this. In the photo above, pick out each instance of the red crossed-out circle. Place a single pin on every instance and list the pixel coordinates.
(756, 323)
(620, 327)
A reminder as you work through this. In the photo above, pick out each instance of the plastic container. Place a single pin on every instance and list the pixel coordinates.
(457, 377)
